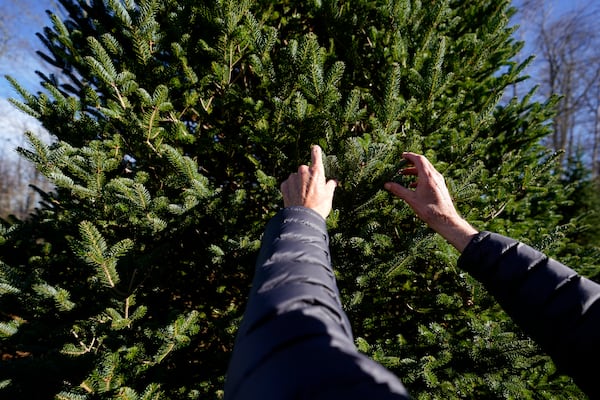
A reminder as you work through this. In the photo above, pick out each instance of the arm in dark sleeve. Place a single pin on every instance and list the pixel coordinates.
(295, 340)
(558, 308)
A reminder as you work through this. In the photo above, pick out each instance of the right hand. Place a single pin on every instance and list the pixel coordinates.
(309, 187)
(431, 201)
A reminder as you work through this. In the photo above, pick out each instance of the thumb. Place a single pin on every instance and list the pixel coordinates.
(331, 185)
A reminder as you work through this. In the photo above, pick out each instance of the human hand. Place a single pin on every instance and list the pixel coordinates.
(309, 187)
(431, 201)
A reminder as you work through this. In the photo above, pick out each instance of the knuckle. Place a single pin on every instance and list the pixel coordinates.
(303, 169)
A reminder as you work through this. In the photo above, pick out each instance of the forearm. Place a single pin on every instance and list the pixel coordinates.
(295, 340)
(293, 266)
(293, 303)
(548, 300)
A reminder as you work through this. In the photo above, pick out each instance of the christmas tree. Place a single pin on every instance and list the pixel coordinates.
(175, 122)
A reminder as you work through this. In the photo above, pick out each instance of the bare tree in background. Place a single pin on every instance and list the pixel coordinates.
(17, 197)
(17, 52)
(3, 34)
(17, 175)
(567, 48)
(592, 104)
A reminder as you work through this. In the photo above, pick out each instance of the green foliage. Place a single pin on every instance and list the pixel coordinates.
(582, 214)
(174, 123)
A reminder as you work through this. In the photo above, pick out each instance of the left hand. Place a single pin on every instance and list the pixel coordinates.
(431, 201)
(309, 187)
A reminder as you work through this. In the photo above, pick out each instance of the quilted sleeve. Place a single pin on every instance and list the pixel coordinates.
(295, 341)
(558, 308)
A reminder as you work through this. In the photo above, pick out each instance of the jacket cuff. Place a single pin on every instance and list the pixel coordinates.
(472, 255)
(309, 213)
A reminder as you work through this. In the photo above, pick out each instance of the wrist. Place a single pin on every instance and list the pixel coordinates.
(458, 232)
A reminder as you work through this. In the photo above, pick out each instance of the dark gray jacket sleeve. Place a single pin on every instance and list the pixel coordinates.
(295, 340)
(558, 308)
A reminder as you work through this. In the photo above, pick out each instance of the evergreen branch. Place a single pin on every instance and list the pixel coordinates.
(120, 12)
(29, 100)
(72, 350)
(61, 29)
(25, 108)
(118, 322)
(111, 43)
(160, 97)
(120, 249)
(148, 8)
(434, 78)
(101, 63)
(177, 335)
(93, 249)
(189, 169)
(165, 351)
(119, 97)
(143, 48)
(144, 96)
(352, 110)
(152, 392)
(135, 193)
(59, 295)
(6, 288)
(152, 133)
(8, 329)
(61, 101)
(100, 71)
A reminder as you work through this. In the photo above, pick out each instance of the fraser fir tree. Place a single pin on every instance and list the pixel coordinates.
(175, 122)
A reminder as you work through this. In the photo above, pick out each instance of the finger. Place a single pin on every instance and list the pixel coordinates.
(316, 159)
(399, 190)
(409, 171)
(420, 162)
(285, 183)
(284, 188)
(303, 170)
(289, 182)
(331, 185)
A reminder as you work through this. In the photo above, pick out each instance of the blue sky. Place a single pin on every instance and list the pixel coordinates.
(23, 19)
